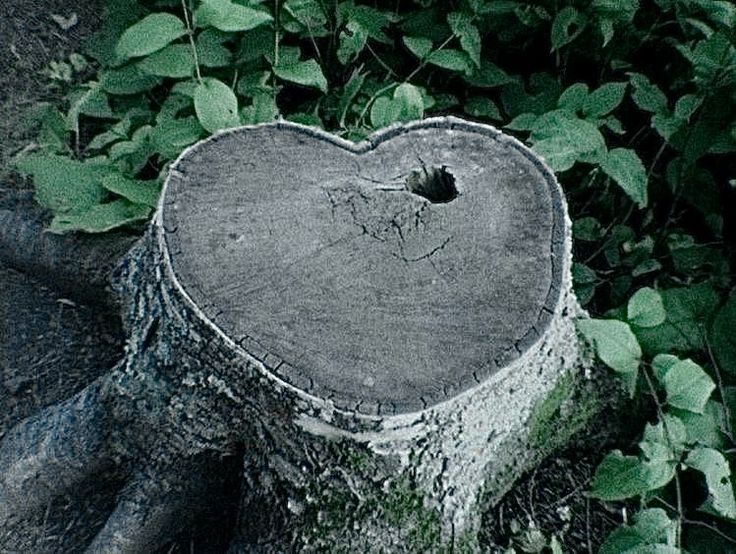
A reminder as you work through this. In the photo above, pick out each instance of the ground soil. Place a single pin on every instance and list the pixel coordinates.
(51, 346)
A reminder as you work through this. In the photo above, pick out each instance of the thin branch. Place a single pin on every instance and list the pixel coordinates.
(314, 44)
(721, 387)
(408, 78)
(276, 38)
(190, 33)
(678, 487)
(383, 64)
(710, 527)
(587, 525)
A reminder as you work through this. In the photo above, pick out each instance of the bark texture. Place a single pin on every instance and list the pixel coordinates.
(387, 329)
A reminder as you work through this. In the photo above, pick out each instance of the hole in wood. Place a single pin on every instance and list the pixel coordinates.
(436, 184)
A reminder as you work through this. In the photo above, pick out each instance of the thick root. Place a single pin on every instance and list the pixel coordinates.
(76, 265)
(53, 451)
(158, 503)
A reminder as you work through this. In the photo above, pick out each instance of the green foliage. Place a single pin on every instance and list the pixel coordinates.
(149, 35)
(216, 105)
(615, 344)
(631, 103)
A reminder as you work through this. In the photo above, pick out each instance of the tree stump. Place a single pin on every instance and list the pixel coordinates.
(387, 328)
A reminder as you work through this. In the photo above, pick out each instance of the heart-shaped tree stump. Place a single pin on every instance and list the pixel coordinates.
(386, 328)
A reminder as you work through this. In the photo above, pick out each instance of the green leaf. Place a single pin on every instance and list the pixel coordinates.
(309, 119)
(419, 46)
(714, 60)
(410, 102)
(255, 82)
(406, 104)
(489, 75)
(150, 34)
(619, 477)
(651, 526)
(89, 100)
(53, 130)
(462, 25)
(662, 364)
(307, 73)
(561, 139)
(704, 429)
(688, 309)
(100, 218)
(482, 106)
(119, 131)
(625, 168)
(63, 184)
(117, 17)
(523, 122)
(582, 274)
(558, 152)
(309, 13)
(574, 97)
(723, 335)
(686, 105)
(649, 97)
(173, 61)
(567, 26)
(171, 136)
(614, 343)
(175, 103)
(216, 105)
(138, 192)
(588, 229)
(352, 41)
(350, 91)
(262, 110)
(370, 19)
(448, 58)
(669, 432)
(132, 155)
(211, 51)
(229, 17)
(717, 473)
(544, 91)
(384, 112)
(129, 79)
(604, 100)
(646, 309)
(613, 12)
(688, 386)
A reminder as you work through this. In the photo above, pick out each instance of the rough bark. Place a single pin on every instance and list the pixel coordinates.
(77, 265)
(387, 328)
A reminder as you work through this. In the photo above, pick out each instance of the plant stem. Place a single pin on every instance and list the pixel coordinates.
(408, 78)
(190, 33)
(721, 387)
(678, 487)
(276, 38)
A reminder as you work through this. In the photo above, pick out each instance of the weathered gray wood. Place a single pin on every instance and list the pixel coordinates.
(313, 253)
(391, 364)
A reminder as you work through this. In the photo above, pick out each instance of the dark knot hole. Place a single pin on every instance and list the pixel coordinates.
(436, 184)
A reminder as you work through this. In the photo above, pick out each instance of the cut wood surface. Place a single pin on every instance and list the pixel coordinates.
(386, 330)
(327, 261)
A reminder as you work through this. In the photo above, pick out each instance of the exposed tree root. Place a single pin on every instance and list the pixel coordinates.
(77, 265)
(50, 453)
(158, 502)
